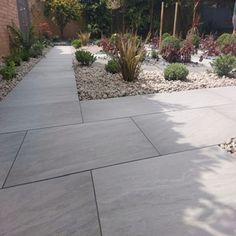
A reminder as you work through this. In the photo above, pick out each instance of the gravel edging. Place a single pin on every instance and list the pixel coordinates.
(95, 83)
(230, 146)
(7, 85)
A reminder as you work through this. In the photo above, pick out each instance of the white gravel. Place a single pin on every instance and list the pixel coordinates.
(95, 83)
(230, 146)
(7, 85)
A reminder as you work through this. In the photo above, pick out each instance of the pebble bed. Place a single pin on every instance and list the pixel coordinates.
(7, 85)
(230, 146)
(95, 83)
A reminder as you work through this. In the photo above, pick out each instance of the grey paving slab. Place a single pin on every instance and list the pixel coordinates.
(58, 151)
(63, 206)
(189, 193)
(118, 107)
(138, 105)
(24, 97)
(227, 110)
(227, 92)
(189, 99)
(184, 130)
(19, 118)
(9, 146)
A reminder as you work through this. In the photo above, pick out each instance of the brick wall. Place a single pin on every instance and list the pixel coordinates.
(8, 13)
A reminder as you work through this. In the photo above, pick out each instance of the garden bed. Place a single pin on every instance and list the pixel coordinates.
(7, 85)
(95, 83)
(230, 146)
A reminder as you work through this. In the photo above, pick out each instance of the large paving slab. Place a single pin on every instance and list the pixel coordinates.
(184, 130)
(138, 105)
(59, 151)
(39, 116)
(228, 110)
(226, 92)
(9, 146)
(59, 207)
(184, 194)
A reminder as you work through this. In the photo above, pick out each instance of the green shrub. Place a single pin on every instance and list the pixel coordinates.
(13, 58)
(154, 54)
(85, 58)
(25, 55)
(112, 67)
(224, 64)
(76, 43)
(176, 71)
(170, 41)
(36, 49)
(165, 35)
(8, 71)
(196, 39)
(113, 38)
(226, 39)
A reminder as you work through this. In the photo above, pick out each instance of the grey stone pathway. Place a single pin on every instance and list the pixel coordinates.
(133, 166)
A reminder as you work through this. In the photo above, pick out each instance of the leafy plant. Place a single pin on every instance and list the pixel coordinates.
(62, 12)
(112, 67)
(85, 58)
(210, 46)
(8, 71)
(176, 71)
(224, 64)
(76, 43)
(170, 47)
(25, 55)
(154, 55)
(165, 35)
(186, 51)
(229, 49)
(129, 54)
(84, 37)
(14, 57)
(107, 46)
(226, 39)
(20, 40)
(36, 49)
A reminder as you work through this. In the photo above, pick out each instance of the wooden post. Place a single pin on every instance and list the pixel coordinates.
(161, 20)
(175, 20)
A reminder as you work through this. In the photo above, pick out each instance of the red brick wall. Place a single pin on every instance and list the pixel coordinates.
(8, 13)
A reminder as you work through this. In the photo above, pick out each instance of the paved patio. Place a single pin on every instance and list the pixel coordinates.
(133, 166)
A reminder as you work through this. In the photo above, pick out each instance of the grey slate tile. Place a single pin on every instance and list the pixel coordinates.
(64, 206)
(188, 193)
(9, 146)
(38, 116)
(59, 151)
(184, 130)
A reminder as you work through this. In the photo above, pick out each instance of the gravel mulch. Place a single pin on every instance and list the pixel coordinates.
(95, 83)
(7, 85)
(230, 146)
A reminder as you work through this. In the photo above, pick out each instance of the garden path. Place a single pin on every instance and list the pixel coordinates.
(132, 166)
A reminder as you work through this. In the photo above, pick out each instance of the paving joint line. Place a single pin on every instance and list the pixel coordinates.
(14, 160)
(96, 203)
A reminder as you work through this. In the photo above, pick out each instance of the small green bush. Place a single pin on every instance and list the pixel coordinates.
(196, 39)
(176, 71)
(224, 64)
(36, 50)
(226, 39)
(85, 58)
(13, 58)
(8, 71)
(114, 38)
(171, 41)
(76, 43)
(25, 55)
(112, 67)
(154, 54)
(165, 35)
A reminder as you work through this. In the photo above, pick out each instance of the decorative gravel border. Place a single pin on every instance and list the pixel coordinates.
(230, 146)
(7, 85)
(95, 83)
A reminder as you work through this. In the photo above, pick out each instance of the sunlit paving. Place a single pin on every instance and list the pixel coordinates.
(117, 118)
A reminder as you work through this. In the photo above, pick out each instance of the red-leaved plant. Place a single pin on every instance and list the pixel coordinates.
(186, 51)
(210, 46)
(107, 46)
(229, 49)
